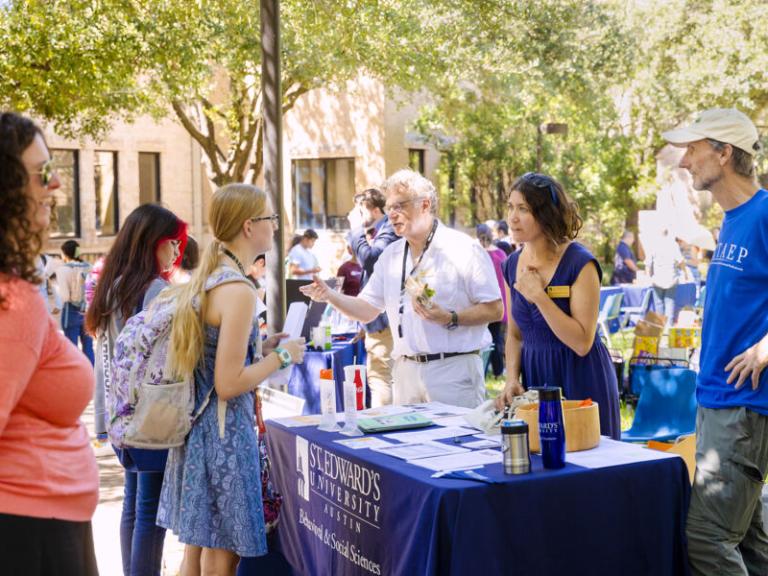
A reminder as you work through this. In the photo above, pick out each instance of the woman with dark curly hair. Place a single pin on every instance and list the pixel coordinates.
(49, 484)
(555, 295)
(137, 268)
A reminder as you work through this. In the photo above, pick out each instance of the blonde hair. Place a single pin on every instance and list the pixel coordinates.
(231, 206)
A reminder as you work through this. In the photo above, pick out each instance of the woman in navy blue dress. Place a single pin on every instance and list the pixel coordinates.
(555, 294)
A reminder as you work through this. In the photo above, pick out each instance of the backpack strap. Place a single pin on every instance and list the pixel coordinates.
(222, 275)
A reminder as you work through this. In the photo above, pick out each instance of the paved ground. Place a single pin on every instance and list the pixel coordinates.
(106, 521)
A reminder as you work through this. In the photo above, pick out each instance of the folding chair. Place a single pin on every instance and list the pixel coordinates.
(609, 312)
(639, 365)
(638, 312)
(667, 406)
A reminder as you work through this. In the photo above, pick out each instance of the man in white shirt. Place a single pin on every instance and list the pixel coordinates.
(302, 263)
(439, 290)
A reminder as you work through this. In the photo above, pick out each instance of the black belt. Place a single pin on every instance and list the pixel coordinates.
(424, 358)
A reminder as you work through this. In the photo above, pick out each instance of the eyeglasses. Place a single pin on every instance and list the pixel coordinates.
(275, 218)
(46, 172)
(399, 207)
(542, 181)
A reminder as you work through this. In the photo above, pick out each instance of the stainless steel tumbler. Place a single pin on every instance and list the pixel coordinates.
(514, 447)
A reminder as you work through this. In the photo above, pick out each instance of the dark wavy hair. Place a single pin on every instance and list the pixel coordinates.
(132, 260)
(552, 208)
(19, 243)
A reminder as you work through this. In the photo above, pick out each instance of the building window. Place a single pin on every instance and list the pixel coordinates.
(105, 185)
(149, 177)
(323, 192)
(66, 223)
(416, 160)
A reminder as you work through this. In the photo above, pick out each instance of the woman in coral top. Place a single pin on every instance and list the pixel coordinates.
(49, 484)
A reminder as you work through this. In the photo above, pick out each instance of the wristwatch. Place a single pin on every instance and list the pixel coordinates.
(454, 323)
(284, 356)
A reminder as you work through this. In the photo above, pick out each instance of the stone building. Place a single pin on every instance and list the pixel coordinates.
(335, 142)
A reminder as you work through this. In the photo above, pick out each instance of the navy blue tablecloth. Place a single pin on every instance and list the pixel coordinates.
(304, 381)
(356, 512)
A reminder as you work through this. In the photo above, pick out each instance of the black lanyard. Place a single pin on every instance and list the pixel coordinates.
(234, 259)
(403, 276)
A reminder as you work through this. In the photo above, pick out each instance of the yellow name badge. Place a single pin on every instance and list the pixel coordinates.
(559, 291)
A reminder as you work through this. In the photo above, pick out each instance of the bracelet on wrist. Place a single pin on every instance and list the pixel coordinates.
(284, 356)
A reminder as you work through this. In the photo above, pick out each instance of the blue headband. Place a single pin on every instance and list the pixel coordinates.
(542, 181)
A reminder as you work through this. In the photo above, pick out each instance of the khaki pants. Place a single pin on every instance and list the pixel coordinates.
(725, 527)
(378, 348)
(457, 381)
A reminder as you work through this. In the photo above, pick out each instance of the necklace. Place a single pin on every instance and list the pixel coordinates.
(229, 253)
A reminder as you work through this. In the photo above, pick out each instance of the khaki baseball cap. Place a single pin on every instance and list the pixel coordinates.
(726, 125)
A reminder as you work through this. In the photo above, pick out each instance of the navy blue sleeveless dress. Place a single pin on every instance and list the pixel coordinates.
(547, 361)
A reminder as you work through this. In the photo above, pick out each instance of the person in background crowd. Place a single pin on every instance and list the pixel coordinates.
(497, 329)
(302, 263)
(212, 492)
(351, 272)
(370, 233)
(138, 266)
(691, 256)
(189, 261)
(93, 279)
(49, 483)
(257, 274)
(439, 290)
(503, 239)
(555, 295)
(666, 266)
(71, 278)
(726, 525)
(624, 261)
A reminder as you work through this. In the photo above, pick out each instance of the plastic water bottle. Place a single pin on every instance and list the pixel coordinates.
(350, 404)
(328, 401)
(359, 388)
(551, 427)
(328, 342)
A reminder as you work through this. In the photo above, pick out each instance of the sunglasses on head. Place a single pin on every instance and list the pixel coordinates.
(46, 172)
(542, 181)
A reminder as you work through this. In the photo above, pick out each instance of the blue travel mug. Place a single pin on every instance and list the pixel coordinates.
(551, 427)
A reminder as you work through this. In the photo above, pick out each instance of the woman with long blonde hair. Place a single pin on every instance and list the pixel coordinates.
(211, 495)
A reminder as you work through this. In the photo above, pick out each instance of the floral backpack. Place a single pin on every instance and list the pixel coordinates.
(149, 406)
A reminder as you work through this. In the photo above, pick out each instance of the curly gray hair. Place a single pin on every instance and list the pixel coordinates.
(413, 184)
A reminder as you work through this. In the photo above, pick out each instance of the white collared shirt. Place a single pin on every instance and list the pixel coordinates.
(462, 275)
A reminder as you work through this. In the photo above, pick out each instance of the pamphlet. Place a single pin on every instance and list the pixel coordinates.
(393, 422)
(416, 451)
(294, 321)
(431, 434)
(364, 442)
(459, 461)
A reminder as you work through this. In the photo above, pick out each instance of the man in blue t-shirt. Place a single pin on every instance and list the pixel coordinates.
(725, 527)
(624, 261)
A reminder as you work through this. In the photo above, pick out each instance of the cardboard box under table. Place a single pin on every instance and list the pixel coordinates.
(615, 509)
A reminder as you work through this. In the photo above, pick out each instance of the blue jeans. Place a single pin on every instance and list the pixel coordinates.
(73, 324)
(664, 302)
(496, 358)
(141, 539)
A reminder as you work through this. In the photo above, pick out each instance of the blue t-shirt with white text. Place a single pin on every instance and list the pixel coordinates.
(736, 306)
